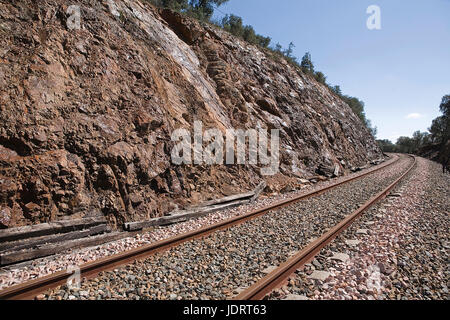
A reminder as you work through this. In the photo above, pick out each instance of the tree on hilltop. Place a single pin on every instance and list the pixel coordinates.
(205, 8)
(306, 64)
(445, 105)
(320, 77)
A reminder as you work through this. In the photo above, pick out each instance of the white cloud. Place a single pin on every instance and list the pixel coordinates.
(414, 116)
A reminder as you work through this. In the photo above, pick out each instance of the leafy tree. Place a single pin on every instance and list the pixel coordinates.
(290, 50)
(414, 144)
(419, 139)
(204, 9)
(337, 90)
(445, 105)
(306, 64)
(386, 145)
(440, 127)
(405, 145)
(320, 77)
(278, 48)
(263, 41)
(249, 35)
(177, 5)
(440, 130)
(357, 106)
(234, 25)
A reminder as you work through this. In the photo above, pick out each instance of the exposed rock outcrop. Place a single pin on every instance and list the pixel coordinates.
(87, 115)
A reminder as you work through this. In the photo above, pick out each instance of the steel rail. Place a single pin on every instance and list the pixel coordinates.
(276, 278)
(30, 289)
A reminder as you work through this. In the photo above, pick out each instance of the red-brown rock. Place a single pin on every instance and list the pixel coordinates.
(86, 116)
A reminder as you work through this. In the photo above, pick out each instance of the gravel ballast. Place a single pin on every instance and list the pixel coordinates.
(20, 273)
(398, 250)
(220, 265)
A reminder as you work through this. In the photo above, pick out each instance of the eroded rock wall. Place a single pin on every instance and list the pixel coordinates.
(87, 115)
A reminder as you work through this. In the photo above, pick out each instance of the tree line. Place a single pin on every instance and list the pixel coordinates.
(355, 104)
(204, 9)
(436, 139)
(199, 9)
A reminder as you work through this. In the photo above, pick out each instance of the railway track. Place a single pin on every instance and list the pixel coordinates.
(276, 278)
(32, 288)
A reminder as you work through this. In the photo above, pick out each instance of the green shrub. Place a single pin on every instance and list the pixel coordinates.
(233, 24)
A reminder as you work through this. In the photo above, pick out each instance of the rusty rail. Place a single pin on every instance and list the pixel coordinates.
(276, 278)
(29, 290)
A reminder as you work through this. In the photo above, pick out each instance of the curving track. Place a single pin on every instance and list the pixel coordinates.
(214, 262)
(278, 276)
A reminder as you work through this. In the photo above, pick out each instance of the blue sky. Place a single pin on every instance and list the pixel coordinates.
(401, 72)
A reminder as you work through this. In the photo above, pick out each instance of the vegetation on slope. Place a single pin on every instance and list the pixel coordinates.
(204, 9)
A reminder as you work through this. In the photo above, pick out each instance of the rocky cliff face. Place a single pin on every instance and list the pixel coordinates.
(87, 115)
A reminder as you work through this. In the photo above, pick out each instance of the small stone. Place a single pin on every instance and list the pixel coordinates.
(84, 293)
(317, 264)
(5, 217)
(340, 257)
(319, 275)
(269, 269)
(352, 242)
(295, 297)
(239, 290)
(361, 231)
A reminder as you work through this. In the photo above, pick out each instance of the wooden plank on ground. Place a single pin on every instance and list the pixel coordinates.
(33, 242)
(44, 229)
(180, 216)
(233, 198)
(183, 216)
(195, 212)
(51, 249)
